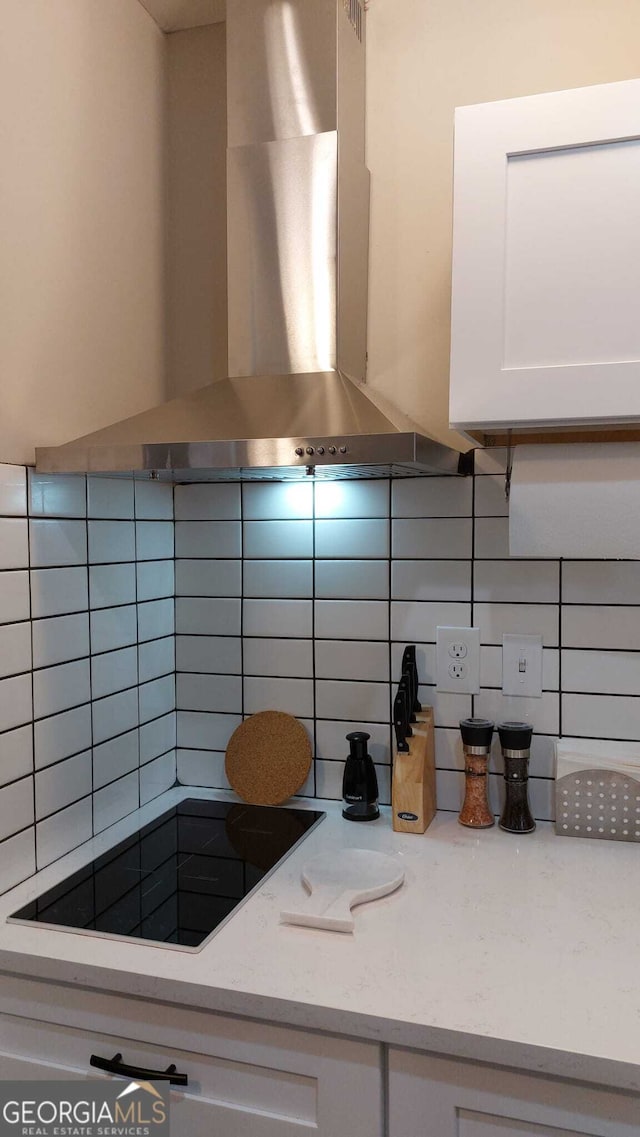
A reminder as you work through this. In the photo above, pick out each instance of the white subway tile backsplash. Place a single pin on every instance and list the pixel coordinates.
(205, 616)
(156, 618)
(265, 693)
(425, 659)
(445, 538)
(543, 713)
(491, 499)
(14, 543)
(61, 736)
(111, 542)
(266, 540)
(57, 495)
(351, 619)
(59, 688)
(154, 540)
(56, 592)
(275, 501)
(491, 538)
(57, 543)
(352, 659)
(448, 707)
(497, 620)
(157, 737)
(198, 730)
(156, 698)
(418, 620)
(201, 768)
(14, 596)
(207, 502)
(431, 580)
(115, 801)
(491, 460)
(601, 627)
(221, 655)
(601, 582)
(15, 702)
(112, 584)
(517, 582)
(16, 807)
(209, 693)
(58, 786)
(59, 639)
(352, 580)
(113, 628)
(114, 715)
(13, 491)
(337, 699)
(284, 658)
(352, 499)
(432, 497)
(18, 861)
(15, 649)
(156, 658)
(331, 743)
(63, 831)
(601, 716)
(601, 672)
(157, 776)
(153, 501)
(110, 498)
(210, 539)
(208, 578)
(114, 671)
(115, 758)
(16, 754)
(155, 580)
(346, 538)
(279, 579)
(291, 618)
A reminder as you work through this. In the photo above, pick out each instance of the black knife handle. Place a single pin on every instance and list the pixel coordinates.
(400, 723)
(410, 666)
(115, 1065)
(404, 687)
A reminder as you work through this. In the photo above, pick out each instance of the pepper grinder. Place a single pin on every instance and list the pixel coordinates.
(476, 741)
(515, 739)
(359, 784)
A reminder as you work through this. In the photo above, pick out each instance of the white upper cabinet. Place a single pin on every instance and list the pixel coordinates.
(546, 260)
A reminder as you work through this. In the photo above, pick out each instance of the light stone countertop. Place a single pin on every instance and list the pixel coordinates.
(518, 951)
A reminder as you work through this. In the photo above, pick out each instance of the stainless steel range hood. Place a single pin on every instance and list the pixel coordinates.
(295, 401)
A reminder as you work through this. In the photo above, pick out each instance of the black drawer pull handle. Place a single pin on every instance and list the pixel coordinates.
(115, 1065)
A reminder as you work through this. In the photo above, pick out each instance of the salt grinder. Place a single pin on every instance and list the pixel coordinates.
(476, 741)
(515, 739)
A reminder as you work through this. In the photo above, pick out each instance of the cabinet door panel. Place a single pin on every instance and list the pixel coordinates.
(439, 1097)
(546, 261)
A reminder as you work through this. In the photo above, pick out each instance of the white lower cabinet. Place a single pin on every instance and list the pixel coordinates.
(441, 1097)
(246, 1078)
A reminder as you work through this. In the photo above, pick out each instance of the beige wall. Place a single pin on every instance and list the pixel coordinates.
(424, 58)
(197, 218)
(81, 218)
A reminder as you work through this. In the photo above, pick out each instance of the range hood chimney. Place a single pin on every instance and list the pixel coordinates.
(295, 400)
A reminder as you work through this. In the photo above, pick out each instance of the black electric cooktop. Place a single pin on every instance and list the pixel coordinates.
(178, 878)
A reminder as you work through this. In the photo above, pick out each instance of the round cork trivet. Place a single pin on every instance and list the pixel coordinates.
(268, 758)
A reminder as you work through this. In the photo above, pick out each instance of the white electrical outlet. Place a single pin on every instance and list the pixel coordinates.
(522, 665)
(458, 658)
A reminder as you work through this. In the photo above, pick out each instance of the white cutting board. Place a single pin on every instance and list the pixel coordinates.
(340, 880)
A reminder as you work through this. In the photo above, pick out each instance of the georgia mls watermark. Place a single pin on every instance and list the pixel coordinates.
(84, 1109)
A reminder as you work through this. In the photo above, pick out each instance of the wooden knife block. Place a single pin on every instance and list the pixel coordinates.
(414, 778)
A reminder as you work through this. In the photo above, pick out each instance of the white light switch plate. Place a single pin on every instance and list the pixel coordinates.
(458, 658)
(522, 665)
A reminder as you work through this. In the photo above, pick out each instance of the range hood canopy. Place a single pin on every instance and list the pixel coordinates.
(295, 401)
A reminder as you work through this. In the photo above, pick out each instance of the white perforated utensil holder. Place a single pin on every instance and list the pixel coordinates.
(598, 789)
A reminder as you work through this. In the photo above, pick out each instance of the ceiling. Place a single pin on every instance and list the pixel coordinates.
(173, 15)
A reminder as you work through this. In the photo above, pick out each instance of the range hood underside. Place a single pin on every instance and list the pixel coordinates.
(325, 425)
